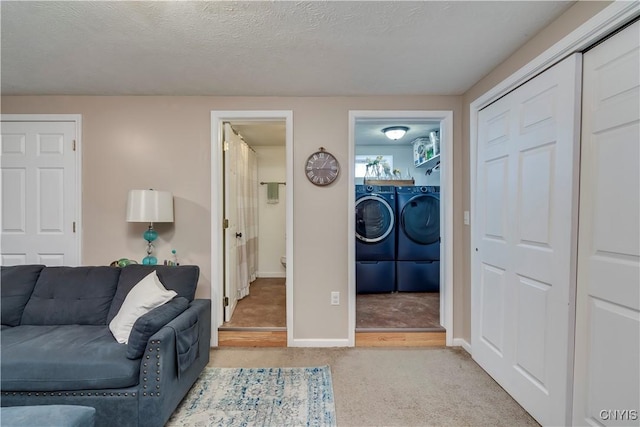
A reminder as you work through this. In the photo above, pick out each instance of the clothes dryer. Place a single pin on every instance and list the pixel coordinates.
(418, 239)
(375, 238)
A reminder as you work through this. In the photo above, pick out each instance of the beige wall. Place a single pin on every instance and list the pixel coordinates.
(554, 32)
(164, 143)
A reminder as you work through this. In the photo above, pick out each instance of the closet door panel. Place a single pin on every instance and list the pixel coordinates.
(607, 368)
(525, 214)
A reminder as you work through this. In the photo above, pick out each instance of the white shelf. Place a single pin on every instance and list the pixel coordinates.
(431, 163)
(422, 147)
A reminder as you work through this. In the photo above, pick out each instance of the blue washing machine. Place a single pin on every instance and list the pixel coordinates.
(418, 239)
(375, 238)
(375, 223)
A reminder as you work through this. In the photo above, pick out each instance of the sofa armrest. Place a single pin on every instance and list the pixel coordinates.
(161, 388)
(150, 323)
(187, 330)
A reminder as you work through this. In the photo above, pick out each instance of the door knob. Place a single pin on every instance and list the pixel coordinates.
(238, 235)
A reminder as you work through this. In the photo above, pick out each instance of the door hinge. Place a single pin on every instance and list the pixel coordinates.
(74, 145)
(225, 223)
(74, 226)
(226, 301)
(225, 146)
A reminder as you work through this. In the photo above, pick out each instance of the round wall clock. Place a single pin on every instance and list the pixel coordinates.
(322, 167)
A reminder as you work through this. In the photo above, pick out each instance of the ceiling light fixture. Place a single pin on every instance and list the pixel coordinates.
(395, 132)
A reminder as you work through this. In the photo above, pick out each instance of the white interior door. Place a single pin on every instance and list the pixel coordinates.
(39, 193)
(607, 364)
(230, 214)
(525, 235)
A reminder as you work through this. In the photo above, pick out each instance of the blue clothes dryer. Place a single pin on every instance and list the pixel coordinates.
(418, 241)
(375, 239)
(375, 223)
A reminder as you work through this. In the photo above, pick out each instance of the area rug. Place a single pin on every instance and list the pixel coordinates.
(258, 397)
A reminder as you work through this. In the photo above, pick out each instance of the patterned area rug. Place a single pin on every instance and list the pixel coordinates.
(258, 397)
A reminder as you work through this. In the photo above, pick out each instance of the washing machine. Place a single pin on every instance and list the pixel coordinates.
(418, 239)
(375, 223)
(375, 238)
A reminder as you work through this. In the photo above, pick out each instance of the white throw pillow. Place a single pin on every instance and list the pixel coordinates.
(146, 295)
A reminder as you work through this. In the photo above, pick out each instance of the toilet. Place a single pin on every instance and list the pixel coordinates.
(283, 261)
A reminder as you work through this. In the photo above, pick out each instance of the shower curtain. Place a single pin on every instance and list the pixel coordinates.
(247, 211)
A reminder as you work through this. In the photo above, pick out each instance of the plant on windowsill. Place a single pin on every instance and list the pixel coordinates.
(377, 168)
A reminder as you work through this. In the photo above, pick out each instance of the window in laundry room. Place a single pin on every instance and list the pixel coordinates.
(371, 165)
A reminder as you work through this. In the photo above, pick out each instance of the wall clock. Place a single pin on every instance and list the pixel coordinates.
(322, 168)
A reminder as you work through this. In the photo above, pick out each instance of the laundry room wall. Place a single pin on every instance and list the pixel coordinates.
(271, 216)
(403, 160)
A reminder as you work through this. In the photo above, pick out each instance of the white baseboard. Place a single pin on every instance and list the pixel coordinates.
(319, 343)
(271, 274)
(461, 342)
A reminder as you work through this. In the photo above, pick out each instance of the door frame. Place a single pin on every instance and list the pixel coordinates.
(446, 209)
(217, 210)
(77, 120)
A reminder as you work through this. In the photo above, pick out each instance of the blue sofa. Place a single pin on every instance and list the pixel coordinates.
(57, 347)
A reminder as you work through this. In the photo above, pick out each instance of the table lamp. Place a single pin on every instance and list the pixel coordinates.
(150, 206)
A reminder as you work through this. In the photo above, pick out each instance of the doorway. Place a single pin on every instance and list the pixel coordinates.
(261, 307)
(419, 299)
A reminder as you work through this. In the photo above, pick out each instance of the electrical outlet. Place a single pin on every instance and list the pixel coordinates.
(467, 218)
(335, 298)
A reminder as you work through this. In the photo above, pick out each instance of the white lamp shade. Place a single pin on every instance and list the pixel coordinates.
(149, 206)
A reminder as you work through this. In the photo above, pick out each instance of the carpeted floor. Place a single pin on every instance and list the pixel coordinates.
(396, 386)
(265, 307)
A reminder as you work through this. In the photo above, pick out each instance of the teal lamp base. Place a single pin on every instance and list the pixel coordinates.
(149, 260)
(150, 235)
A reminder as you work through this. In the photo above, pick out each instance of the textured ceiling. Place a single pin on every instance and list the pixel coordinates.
(283, 48)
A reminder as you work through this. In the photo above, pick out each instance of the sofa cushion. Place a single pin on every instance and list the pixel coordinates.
(65, 357)
(48, 415)
(143, 297)
(71, 295)
(151, 323)
(16, 284)
(182, 279)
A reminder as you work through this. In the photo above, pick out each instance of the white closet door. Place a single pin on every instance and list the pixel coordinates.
(526, 237)
(38, 193)
(607, 364)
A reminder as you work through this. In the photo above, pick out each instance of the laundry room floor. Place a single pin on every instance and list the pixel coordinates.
(402, 310)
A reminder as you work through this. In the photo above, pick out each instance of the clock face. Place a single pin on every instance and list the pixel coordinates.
(322, 168)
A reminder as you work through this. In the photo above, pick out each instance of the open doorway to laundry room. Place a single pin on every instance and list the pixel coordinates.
(252, 296)
(401, 221)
